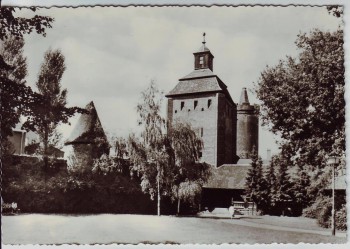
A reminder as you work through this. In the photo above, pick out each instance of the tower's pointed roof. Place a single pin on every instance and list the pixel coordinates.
(202, 79)
(244, 97)
(88, 127)
(203, 48)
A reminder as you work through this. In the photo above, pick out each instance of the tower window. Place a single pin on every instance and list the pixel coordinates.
(182, 105)
(201, 61)
(195, 104)
(175, 111)
(209, 103)
(202, 132)
(189, 110)
(202, 109)
(200, 154)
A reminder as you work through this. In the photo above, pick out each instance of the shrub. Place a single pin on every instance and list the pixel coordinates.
(340, 218)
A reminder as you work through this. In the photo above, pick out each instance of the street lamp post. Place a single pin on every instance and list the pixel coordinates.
(333, 161)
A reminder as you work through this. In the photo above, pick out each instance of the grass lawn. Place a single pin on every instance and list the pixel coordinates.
(134, 229)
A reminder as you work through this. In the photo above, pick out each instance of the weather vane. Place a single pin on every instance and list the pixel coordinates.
(203, 38)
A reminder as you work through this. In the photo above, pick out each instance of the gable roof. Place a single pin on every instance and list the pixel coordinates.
(88, 128)
(228, 176)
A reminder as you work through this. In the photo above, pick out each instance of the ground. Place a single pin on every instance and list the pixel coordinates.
(110, 228)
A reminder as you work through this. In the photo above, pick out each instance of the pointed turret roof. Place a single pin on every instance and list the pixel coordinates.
(244, 105)
(202, 79)
(88, 127)
(244, 97)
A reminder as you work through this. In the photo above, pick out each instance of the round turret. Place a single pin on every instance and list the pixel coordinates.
(247, 127)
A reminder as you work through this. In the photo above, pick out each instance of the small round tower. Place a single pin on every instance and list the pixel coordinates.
(247, 126)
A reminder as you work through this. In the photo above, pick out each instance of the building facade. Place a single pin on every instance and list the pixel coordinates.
(202, 100)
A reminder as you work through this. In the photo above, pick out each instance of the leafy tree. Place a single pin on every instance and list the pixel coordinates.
(189, 173)
(149, 156)
(16, 97)
(303, 98)
(14, 92)
(50, 109)
(256, 184)
(18, 26)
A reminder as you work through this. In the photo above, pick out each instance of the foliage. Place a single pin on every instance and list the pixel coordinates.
(335, 10)
(321, 210)
(271, 183)
(107, 165)
(284, 195)
(300, 187)
(60, 191)
(32, 148)
(51, 110)
(256, 185)
(149, 155)
(16, 97)
(303, 98)
(189, 173)
(18, 26)
(340, 218)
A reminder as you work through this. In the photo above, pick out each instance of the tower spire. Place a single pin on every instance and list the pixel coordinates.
(203, 39)
(244, 97)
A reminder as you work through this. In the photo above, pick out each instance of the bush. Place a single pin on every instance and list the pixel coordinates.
(315, 209)
(340, 218)
(58, 191)
(321, 210)
(324, 217)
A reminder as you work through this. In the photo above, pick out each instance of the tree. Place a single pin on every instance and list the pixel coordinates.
(301, 185)
(303, 98)
(18, 26)
(50, 108)
(256, 184)
(189, 173)
(13, 91)
(15, 95)
(150, 156)
(284, 185)
(271, 184)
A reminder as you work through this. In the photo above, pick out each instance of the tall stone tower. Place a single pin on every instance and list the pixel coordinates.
(202, 100)
(247, 126)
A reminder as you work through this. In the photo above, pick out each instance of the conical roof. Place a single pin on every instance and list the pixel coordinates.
(244, 97)
(88, 128)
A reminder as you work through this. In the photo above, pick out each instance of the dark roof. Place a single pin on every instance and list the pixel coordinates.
(228, 176)
(88, 127)
(196, 86)
(200, 81)
(199, 73)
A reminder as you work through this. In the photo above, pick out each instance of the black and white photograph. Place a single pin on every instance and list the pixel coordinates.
(172, 124)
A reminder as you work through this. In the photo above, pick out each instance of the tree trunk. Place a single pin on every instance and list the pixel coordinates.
(46, 141)
(178, 206)
(158, 191)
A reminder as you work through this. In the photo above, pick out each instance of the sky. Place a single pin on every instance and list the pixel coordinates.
(113, 53)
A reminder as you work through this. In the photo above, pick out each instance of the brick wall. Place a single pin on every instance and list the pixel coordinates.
(203, 119)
